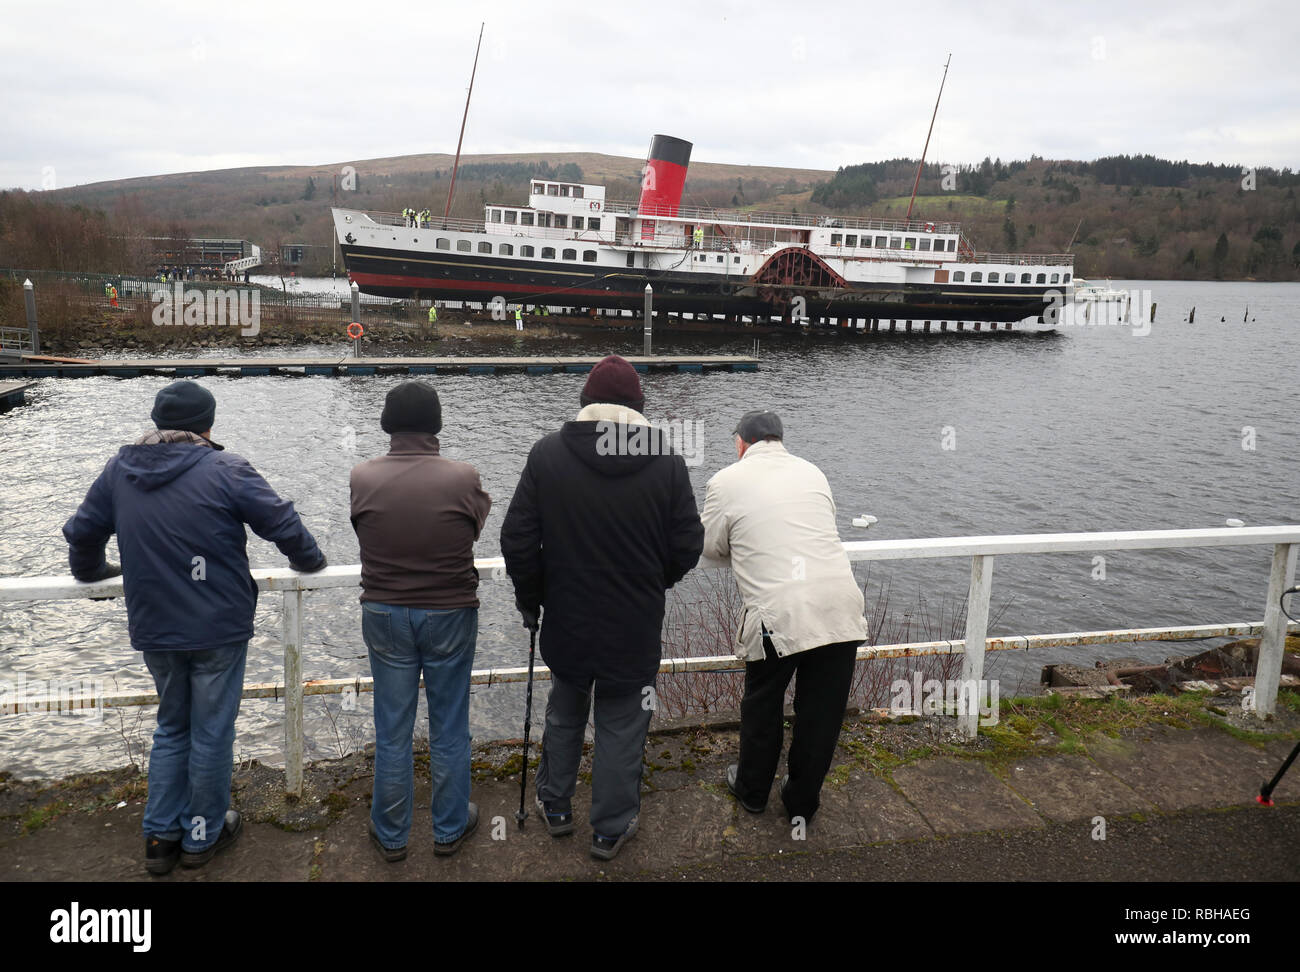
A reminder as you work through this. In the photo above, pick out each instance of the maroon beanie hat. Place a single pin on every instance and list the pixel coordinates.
(614, 382)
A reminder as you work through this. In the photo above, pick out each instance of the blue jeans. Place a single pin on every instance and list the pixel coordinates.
(193, 746)
(403, 642)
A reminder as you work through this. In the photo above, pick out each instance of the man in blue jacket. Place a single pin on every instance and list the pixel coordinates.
(178, 504)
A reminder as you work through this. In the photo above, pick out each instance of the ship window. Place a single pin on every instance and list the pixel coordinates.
(925, 243)
(577, 192)
(561, 221)
(977, 277)
(1067, 279)
(496, 215)
(735, 259)
(510, 216)
(866, 240)
(463, 246)
(880, 241)
(959, 276)
(570, 255)
(588, 256)
(721, 258)
(631, 259)
(909, 243)
(895, 242)
(443, 243)
(526, 251)
(1026, 278)
(525, 219)
(1042, 278)
(837, 239)
(538, 189)
(485, 247)
(552, 190)
(993, 277)
(952, 245)
(543, 219)
(548, 253)
(564, 191)
(1056, 278)
(505, 249)
(577, 222)
(851, 240)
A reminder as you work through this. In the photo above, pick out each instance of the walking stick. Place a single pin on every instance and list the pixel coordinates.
(1265, 797)
(521, 814)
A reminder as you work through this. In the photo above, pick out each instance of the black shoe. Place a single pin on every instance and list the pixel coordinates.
(607, 848)
(160, 856)
(447, 848)
(732, 772)
(559, 823)
(230, 831)
(391, 854)
(807, 817)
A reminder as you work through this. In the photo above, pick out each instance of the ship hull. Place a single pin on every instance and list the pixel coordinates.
(412, 274)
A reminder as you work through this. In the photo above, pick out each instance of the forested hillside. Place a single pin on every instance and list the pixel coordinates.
(1123, 216)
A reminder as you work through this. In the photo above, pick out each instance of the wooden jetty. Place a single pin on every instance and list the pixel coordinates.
(46, 367)
(12, 393)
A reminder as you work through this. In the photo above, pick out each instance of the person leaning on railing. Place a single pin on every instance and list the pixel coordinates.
(179, 503)
(771, 516)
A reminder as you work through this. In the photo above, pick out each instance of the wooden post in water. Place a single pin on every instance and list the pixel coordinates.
(29, 297)
(649, 319)
(291, 637)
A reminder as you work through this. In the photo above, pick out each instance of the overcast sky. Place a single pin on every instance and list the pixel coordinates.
(107, 91)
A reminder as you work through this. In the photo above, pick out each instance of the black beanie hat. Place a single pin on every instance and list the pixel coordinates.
(412, 406)
(614, 382)
(184, 405)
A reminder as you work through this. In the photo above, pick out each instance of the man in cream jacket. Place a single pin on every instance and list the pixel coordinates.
(771, 515)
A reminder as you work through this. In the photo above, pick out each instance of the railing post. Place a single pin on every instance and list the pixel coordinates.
(292, 638)
(1272, 640)
(977, 628)
(33, 330)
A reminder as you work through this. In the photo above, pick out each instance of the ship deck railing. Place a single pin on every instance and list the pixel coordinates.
(806, 221)
(980, 551)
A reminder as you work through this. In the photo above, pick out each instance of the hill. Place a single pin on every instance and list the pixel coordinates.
(1124, 216)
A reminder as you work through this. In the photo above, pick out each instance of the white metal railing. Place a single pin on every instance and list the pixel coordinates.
(807, 220)
(1285, 541)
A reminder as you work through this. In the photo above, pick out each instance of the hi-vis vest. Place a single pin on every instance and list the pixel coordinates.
(519, 314)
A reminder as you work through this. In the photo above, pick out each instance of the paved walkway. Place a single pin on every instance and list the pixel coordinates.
(1178, 804)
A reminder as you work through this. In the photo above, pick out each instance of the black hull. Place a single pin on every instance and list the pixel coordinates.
(478, 278)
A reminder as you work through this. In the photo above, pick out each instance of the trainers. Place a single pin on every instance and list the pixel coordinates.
(391, 854)
(449, 847)
(732, 771)
(230, 831)
(558, 822)
(160, 856)
(607, 848)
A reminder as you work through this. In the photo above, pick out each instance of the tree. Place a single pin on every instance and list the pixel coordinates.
(309, 191)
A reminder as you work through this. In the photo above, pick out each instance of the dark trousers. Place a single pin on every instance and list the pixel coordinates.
(822, 677)
(622, 721)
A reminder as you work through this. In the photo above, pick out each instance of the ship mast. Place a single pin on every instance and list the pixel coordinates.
(927, 138)
(456, 165)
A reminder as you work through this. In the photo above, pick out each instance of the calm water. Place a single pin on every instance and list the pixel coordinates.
(1093, 428)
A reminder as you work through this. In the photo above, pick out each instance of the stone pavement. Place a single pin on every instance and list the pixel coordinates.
(1178, 804)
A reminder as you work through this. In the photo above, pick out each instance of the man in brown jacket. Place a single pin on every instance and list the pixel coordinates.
(417, 515)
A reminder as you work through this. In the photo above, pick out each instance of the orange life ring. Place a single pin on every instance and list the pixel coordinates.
(355, 330)
(593, 205)
(929, 227)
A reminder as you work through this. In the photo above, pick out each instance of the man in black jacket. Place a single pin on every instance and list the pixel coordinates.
(602, 523)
